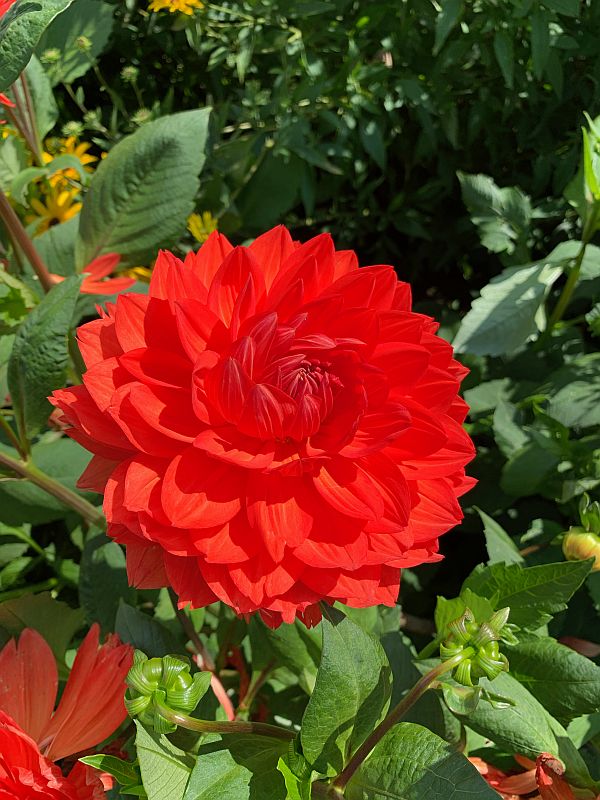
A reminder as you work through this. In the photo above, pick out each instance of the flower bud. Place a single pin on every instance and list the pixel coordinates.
(579, 544)
(141, 116)
(84, 44)
(155, 683)
(477, 643)
(72, 128)
(130, 74)
(50, 56)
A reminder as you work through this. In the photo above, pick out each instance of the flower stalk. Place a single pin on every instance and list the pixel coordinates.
(20, 238)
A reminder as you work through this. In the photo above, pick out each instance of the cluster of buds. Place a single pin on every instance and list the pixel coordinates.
(476, 647)
(157, 687)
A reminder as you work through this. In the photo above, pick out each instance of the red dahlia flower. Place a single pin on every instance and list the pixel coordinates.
(25, 774)
(91, 706)
(272, 427)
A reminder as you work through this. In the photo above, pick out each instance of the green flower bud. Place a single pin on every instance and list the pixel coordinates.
(477, 644)
(141, 116)
(579, 544)
(130, 74)
(73, 128)
(83, 43)
(51, 56)
(162, 682)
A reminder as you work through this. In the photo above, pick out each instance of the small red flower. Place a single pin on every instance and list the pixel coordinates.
(96, 271)
(25, 774)
(5, 5)
(543, 777)
(272, 427)
(91, 706)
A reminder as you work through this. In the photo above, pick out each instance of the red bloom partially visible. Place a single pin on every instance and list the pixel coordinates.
(544, 776)
(92, 704)
(25, 774)
(95, 273)
(5, 5)
(272, 427)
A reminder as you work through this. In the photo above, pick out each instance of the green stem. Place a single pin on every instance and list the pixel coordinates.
(19, 235)
(567, 292)
(12, 437)
(33, 127)
(208, 726)
(28, 470)
(396, 715)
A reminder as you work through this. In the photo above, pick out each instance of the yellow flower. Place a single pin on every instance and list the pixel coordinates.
(174, 6)
(69, 146)
(57, 206)
(201, 226)
(142, 274)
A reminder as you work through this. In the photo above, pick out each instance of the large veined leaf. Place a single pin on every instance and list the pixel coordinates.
(39, 357)
(90, 18)
(46, 110)
(20, 31)
(165, 768)
(142, 193)
(351, 694)
(575, 392)
(412, 763)
(504, 317)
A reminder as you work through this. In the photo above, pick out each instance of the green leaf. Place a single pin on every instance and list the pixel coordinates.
(56, 622)
(504, 52)
(39, 358)
(575, 392)
(447, 19)
(566, 683)
(499, 545)
(582, 729)
(297, 788)
(21, 28)
(124, 772)
(16, 301)
(238, 768)
(145, 633)
(540, 41)
(570, 8)
(526, 727)
(351, 694)
(103, 581)
(46, 110)
(165, 768)
(293, 646)
(502, 215)
(508, 432)
(533, 594)
(143, 192)
(90, 18)
(13, 160)
(589, 173)
(527, 469)
(411, 763)
(447, 611)
(503, 318)
(20, 183)
(57, 247)
(373, 142)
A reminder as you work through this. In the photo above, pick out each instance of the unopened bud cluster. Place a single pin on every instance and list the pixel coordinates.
(478, 644)
(583, 541)
(162, 683)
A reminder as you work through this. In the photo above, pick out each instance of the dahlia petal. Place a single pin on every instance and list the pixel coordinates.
(199, 328)
(155, 420)
(186, 579)
(230, 280)
(143, 475)
(437, 510)
(456, 453)
(172, 281)
(282, 510)
(266, 411)
(226, 445)
(323, 553)
(348, 489)
(83, 720)
(271, 250)
(109, 286)
(103, 379)
(97, 340)
(28, 682)
(229, 544)
(345, 261)
(145, 566)
(96, 474)
(436, 388)
(200, 492)
(102, 266)
(228, 386)
(313, 262)
(377, 430)
(156, 367)
(404, 364)
(401, 326)
(402, 297)
(426, 434)
(368, 287)
(210, 257)
(129, 320)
